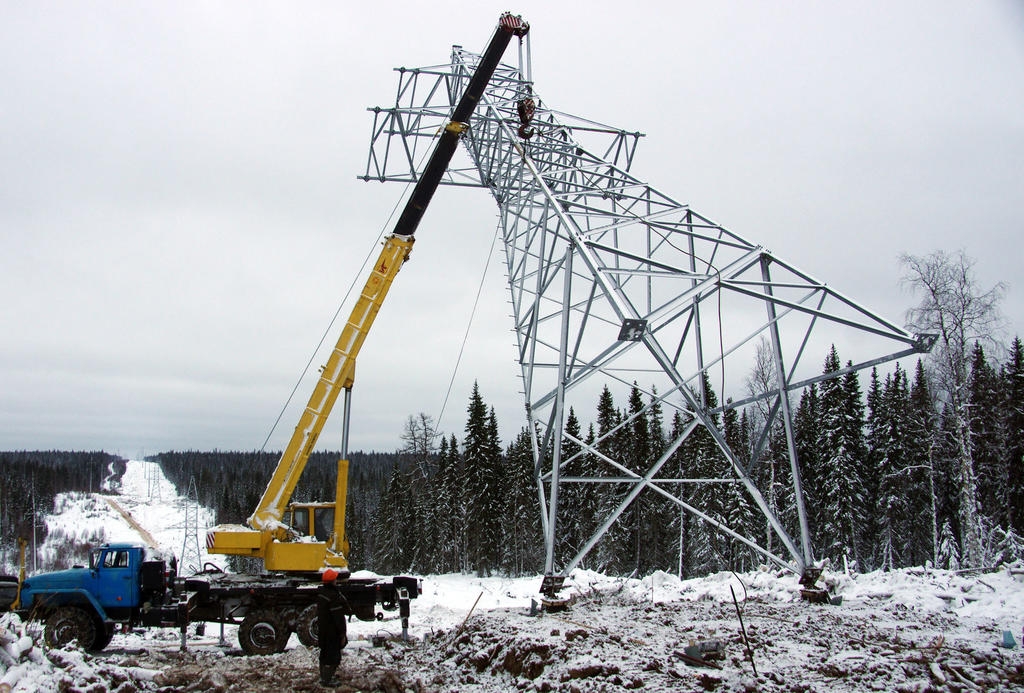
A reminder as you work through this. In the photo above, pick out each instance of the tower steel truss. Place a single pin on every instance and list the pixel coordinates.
(616, 285)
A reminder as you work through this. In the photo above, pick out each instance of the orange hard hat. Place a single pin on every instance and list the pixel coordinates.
(330, 575)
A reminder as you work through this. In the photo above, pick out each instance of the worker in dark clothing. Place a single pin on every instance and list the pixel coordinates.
(330, 613)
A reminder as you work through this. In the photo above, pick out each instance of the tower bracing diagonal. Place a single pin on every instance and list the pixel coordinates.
(618, 289)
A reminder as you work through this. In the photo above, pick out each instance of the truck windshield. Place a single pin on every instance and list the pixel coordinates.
(115, 559)
(94, 560)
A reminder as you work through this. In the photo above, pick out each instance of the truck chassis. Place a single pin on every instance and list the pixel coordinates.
(88, 604)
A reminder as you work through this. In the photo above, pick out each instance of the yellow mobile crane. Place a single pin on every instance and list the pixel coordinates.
(313, 537)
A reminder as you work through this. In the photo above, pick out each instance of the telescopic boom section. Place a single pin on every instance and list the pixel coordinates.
(508, 26)
(339, 371)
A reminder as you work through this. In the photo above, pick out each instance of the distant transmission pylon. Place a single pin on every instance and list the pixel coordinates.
(153, 477)
(614, 284)
(190, 556)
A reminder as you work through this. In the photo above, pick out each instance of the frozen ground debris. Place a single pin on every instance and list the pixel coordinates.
(910, 630)
(612, 644)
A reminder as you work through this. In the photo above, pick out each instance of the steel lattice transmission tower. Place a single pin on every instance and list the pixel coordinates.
(190, 555)
(153, 477)
(614, 284)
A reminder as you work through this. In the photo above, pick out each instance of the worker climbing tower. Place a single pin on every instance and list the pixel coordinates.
(616, 285)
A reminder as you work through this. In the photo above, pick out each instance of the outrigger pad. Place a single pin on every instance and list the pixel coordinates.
(810, 576)
(811, 592)
(552, 585)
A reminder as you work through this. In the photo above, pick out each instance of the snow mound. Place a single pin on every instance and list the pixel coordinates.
(26, 666)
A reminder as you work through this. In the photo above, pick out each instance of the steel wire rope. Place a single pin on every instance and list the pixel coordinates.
(348, 292)
(465, 336)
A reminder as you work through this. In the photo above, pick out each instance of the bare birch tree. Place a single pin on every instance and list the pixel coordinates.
(761, 383)
(955, 308)
(418, 437)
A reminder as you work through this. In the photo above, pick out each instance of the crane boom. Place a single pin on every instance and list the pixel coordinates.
(267, 536)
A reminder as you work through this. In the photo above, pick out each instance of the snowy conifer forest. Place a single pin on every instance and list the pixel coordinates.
(432, 512)
(912, 481)
(882, 465)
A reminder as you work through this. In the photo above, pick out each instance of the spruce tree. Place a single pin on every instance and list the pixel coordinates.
(679, 466)
(638, 459)
(570, 499)
(390, 556)
(923, 502)
(497, 475)
(1013, 406)
(657, 537)
(703, 542)
(521, 540)
(460, 507)
(892, 472)
(449, 500)
(875, 436)
(854, 433)
(482, 459)
(948, 473)
(842, 453)
(735, 505)
(985, 404)
(807, 435)
(590, 499)
(613, 555)
(949, 549)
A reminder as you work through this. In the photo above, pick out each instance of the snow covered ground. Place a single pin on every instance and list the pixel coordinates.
(908, 630)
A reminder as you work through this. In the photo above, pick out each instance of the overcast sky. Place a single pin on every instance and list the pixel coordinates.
(180, 215)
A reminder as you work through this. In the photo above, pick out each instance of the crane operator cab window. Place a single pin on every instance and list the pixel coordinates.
(322, 517)
(324, 523)
(300, 520)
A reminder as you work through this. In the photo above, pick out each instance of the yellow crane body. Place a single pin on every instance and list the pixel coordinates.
(267, 536)
(313, 538)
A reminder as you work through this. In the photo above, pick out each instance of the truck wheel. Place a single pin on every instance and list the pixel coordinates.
(104, 634)
(308, 627)
(70, 623)
(262, 633)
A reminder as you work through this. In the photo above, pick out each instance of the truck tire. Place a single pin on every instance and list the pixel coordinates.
(70, 623)
(104, 634)
(307, 627)
(263, 632)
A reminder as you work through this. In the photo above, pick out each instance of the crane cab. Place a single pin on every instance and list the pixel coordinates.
(312, 520)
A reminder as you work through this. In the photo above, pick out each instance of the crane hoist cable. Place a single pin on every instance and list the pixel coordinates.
(465, 336)
(348, 292)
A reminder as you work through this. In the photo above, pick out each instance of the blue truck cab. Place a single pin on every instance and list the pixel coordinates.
(123, 583)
